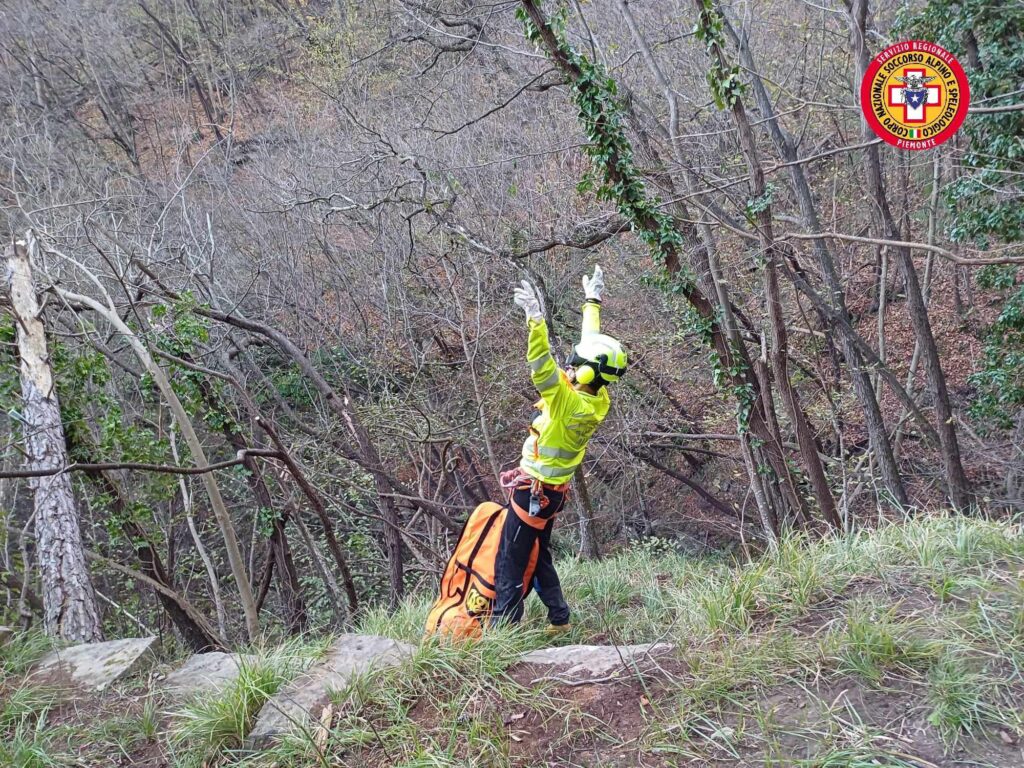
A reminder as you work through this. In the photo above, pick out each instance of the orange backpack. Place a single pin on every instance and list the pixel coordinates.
(467, 585)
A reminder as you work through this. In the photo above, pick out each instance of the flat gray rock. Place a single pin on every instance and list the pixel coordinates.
(93, 666)
(586, 661)
(303, 700)
(203, 673)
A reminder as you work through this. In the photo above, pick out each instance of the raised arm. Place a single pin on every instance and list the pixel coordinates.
(544, 372)
(592, 287)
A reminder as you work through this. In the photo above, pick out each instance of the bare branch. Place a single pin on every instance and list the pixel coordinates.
(142, 466)
(937, 249)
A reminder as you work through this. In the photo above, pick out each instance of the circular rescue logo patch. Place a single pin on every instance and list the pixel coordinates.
(915, 95)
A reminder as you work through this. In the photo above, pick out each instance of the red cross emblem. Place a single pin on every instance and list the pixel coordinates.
(897, 97)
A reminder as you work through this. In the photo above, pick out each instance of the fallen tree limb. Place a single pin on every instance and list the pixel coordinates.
(163, 589)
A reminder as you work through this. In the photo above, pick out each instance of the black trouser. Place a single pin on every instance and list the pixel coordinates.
(517, 540)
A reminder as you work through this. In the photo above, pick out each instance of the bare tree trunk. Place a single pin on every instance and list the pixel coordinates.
(321, 510)
(958, 300)
(1014, 485)
(877, 433)
(290, 589)
(883, 306)
(296, 617)
(958, 271)
(784, 486)
(195, 631)
(69, 602)
(195, 447)
(389, 510)
(869, 355)
(779, 347)
(956, 479)
(929, 266)
(471, 357)
(190, 521)
(713, 282)
(330, 582)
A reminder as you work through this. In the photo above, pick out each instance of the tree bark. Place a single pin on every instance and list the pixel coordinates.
(712, 283)
(296, 616)
(779, 347)
(197, 540)
(290, 589)
(929, 265)
(878, 436)
(588, 543)
(69, 602)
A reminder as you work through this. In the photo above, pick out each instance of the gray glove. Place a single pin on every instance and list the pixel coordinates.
(526, 296)
(592, 286)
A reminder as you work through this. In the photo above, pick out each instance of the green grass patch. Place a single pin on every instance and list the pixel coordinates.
(26, 738)
(875, 642)
(860, 757)
(739, 668)
(405, 624)
(964, 699)
(28, 744)
(26, 702)
(437, 708)
(21, 651)
(212, 724)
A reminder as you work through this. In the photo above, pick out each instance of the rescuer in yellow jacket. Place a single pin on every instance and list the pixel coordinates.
(573, 404)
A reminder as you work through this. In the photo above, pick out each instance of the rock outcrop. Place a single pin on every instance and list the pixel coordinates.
(302, 701)
(582, 662)
(92, 666)
(204, 673)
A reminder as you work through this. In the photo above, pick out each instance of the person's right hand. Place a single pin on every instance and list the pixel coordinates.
(592, 286)
(526, 296)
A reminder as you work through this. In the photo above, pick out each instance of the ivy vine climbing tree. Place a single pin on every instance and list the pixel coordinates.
(618, 181)
(723, 78)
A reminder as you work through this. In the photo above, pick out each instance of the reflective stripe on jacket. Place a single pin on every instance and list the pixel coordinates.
(560, 433)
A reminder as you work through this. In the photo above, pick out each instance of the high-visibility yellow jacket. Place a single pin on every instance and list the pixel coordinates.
(560, 433)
